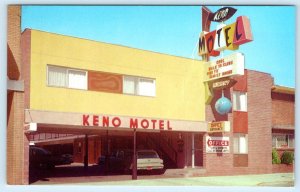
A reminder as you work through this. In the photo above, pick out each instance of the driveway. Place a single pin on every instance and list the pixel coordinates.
(75, 174)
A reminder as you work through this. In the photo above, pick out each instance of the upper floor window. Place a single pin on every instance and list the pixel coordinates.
(139, 86)
(64, 77)
(239, 101)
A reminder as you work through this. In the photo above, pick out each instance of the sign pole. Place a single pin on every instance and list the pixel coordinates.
(134, 160)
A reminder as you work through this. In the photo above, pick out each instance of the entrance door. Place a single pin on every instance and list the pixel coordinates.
(198, 150)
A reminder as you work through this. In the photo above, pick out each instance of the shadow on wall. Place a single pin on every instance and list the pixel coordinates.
(13, 72)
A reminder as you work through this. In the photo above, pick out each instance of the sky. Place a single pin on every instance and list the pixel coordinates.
(175, 30)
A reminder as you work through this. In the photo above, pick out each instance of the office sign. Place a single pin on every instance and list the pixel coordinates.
(217, 144)
(230, 65)
(218, 126)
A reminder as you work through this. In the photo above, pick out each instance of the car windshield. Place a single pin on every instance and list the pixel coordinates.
(147, 154)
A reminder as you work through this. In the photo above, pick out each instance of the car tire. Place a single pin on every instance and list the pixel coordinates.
(161, 171)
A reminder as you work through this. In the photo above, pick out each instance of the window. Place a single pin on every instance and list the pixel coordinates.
(130, 85)
(240, 144)
(146, 87)
(77, 79)
(64, 77)
(139, 86)
(283, 141)
(57, 76)
(239, 101)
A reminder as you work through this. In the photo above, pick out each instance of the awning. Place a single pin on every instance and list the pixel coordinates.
(82, 123)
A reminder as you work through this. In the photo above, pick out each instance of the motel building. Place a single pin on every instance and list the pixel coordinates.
(88, 98)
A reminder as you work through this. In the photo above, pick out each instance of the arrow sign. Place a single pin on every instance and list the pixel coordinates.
(222, 83)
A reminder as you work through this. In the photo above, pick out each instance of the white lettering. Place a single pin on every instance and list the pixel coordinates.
(221, 14)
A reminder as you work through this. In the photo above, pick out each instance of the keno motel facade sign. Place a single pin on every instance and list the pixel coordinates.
(132, 123)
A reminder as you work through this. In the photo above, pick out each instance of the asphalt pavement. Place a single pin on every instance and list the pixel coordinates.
(271, 180)
(76, 175)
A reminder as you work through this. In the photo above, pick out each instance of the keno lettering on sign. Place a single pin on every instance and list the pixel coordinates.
(222, 14)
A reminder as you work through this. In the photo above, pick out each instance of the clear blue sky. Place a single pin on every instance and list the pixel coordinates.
(174, 30)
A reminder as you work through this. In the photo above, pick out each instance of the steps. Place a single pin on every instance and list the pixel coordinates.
(186, 172)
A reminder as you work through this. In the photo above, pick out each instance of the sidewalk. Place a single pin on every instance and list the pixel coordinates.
(276, 180)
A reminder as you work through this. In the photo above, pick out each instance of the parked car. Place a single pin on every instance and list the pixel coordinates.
(65, 159)
(121, 160)
(148, 160)
(42, 158)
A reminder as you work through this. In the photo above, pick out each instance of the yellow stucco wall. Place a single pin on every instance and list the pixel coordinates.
(179, 88)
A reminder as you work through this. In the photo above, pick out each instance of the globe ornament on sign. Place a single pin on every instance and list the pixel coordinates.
(223, 105)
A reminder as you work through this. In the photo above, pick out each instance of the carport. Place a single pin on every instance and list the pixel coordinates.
(84, 125)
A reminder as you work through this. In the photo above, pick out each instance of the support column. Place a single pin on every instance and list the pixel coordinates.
(17, 158)
(86, 153)
(106, 162)
(193, 150)
(134, 157)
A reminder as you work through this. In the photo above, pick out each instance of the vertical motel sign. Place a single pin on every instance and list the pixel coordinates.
(225, 37)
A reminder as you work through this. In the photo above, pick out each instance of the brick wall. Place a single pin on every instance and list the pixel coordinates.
(260, 121)
(259, 130)
(13, 42)
(17, 142)
(26, 53)
(283, 112)
(283, 168)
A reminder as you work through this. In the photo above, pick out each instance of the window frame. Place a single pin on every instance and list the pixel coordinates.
(239, 135)
(77, 70)
(135, 85)
(286, 135)
(67, 77)
(234, 100)
(47, 76)
(137, 88)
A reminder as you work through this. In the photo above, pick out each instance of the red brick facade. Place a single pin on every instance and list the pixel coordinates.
(283, 121)
(283, 112)
(259, 121)
(258, 160)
